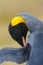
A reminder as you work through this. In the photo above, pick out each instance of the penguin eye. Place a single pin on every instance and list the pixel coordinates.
(16, 20)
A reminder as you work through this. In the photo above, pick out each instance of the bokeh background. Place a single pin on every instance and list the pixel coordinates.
(8, 9)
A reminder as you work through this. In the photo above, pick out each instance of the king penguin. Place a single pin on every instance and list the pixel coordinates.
(33, 51)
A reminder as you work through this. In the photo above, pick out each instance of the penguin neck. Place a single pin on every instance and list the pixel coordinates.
(32, 25)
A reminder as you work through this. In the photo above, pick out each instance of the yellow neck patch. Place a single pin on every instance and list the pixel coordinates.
(16, 20)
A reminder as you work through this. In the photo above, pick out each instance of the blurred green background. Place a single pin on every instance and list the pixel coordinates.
(8, 9)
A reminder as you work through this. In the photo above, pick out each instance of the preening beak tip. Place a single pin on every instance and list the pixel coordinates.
(24, 41)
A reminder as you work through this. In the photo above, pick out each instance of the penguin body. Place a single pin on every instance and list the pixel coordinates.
(36, 42)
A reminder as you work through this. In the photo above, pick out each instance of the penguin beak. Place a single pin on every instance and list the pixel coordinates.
(24, 41)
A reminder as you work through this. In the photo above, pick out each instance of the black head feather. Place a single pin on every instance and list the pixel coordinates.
(18, 31)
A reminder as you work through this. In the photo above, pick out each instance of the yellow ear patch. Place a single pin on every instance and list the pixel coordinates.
(16, 20)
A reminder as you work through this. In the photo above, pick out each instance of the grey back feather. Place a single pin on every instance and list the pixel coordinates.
(18, 55)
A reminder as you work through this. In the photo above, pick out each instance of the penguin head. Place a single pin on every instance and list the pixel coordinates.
(17, 29)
